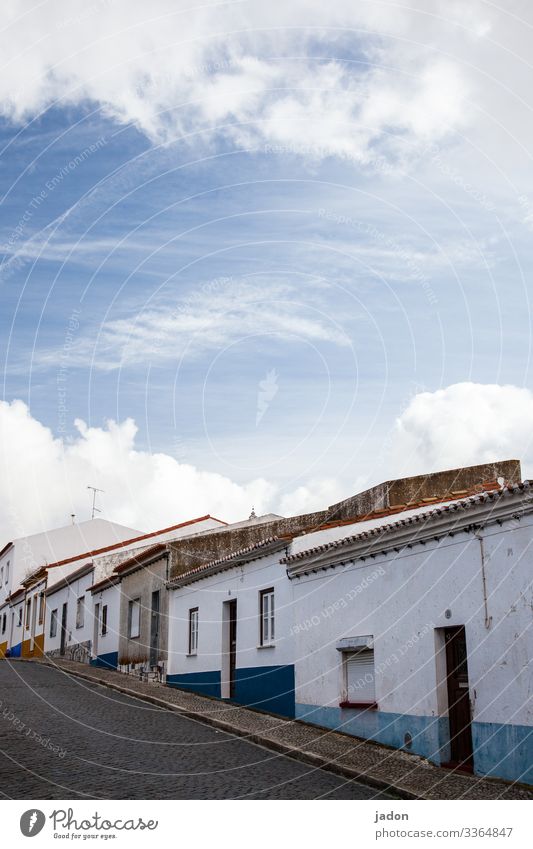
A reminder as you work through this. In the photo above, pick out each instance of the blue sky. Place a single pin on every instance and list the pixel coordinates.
(351, 226)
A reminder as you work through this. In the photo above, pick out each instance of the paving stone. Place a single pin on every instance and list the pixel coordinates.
(115, 746)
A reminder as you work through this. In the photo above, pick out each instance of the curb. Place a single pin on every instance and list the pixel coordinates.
(294, 752)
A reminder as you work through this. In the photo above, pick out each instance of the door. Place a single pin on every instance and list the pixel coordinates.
(33, 621)
(154, 628)
(232, 645)
(63, 629)
(96, 629)
(458, 698)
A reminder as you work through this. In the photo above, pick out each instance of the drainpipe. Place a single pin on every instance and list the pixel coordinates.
(488, 619)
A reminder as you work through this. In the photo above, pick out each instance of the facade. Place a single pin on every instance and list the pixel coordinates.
(34, 615)
(106, 615)
(69, 615)
(229, 630)
(12, 637)
(417, 633)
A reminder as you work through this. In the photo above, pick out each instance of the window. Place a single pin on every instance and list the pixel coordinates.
(104, 620)
(193, 630)
(2, 575)
(4, 621)
(266, 613)
(20, 616)
(7, 572)
(359, 678)
(80, 612)
(53, 623)
(134, 618)
(28, 612)
(41, 609)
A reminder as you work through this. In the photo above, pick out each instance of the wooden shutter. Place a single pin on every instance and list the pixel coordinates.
(360, 677)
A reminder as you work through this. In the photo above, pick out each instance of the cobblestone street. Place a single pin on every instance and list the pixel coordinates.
(62, 737)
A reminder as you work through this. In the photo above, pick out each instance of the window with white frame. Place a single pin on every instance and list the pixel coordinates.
(359, 671)
(266, 614)
(53, 623)
(7, 572)
(103, 629)
(134, 618)
(21, 611)
(193, 630)
(4, 623)
(80, 612)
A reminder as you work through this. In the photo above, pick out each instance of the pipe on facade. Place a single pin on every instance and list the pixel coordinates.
(488, 619)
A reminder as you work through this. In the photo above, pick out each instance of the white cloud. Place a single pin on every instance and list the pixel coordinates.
(246, 69)
(215, 315)
(464, 424)
(44, 480)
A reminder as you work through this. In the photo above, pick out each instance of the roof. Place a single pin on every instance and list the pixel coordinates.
(127, 542)
(422, 517)
(234, 558)
(108, 581)
(15, 594)
(69, 579)
(138, 559)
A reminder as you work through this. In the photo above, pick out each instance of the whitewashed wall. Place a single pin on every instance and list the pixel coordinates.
(243, 583)
(69, 594)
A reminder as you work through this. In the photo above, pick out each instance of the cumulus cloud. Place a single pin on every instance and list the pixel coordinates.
(461, 425)
(254, 72)
(44, 479)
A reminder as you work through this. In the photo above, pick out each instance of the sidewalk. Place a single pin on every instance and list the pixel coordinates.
(399, 773)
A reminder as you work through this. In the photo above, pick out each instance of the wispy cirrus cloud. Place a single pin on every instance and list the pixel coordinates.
(215, 315)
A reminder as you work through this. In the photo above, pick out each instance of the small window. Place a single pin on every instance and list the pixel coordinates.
(28, 612)
(193, 630)
(2, 575)
(104, 620)
(80, 612)
(53, 623)
(266, 613)
(359, 677)
(134, 618)
(4, 622)
(7, 572)
(41, 609)
(20, 616)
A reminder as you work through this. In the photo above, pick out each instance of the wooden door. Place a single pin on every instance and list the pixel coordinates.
(63, 629)
(232, 646)
(458, 699)
(154, 629)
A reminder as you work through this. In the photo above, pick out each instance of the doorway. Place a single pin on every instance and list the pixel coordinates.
(154, 628)
(96, 629)
(232, 646)
(459, 713)
(63, 629)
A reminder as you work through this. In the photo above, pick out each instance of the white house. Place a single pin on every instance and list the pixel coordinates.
(229, 629)
(417, 632)
(80, 624)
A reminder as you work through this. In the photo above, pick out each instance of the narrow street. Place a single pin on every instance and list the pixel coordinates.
(63, 738)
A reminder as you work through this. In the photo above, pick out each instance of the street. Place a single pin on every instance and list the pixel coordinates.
(65, 738)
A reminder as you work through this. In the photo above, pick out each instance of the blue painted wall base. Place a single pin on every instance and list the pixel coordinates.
(106, 661)
(268, 688)
(203, 683)
(504, 751)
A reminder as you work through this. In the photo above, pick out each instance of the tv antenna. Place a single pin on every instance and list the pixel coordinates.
(95, 508)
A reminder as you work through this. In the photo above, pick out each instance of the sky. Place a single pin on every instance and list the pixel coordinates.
(259, 254)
